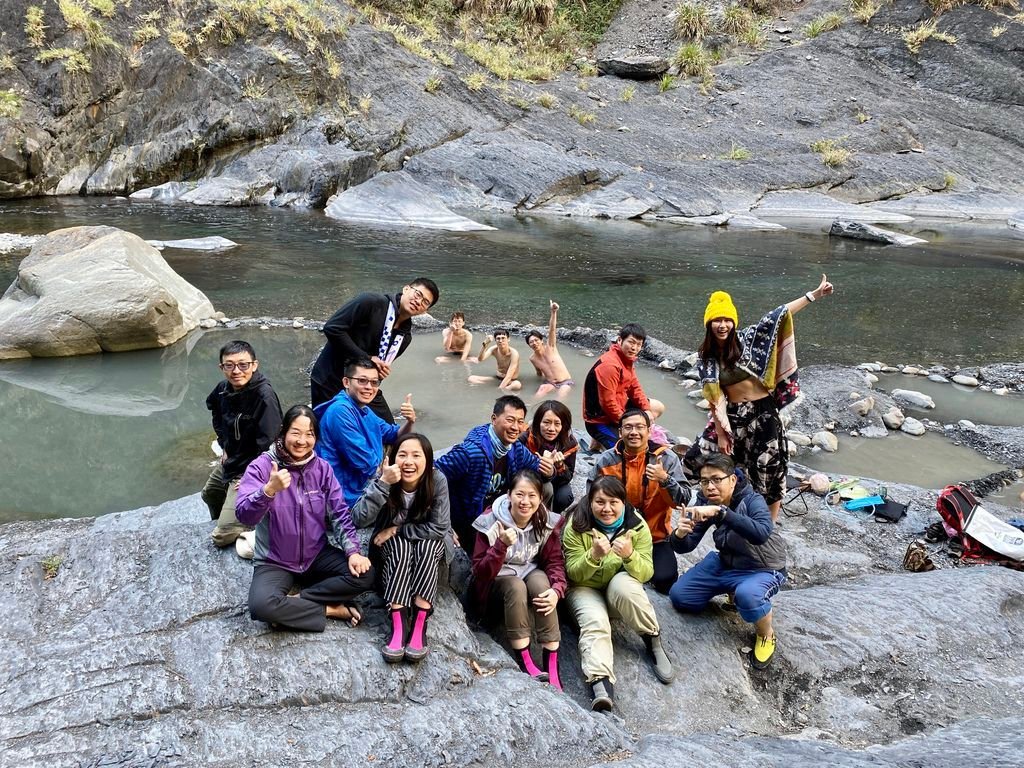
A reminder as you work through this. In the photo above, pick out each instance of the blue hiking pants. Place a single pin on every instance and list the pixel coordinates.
(753, 590)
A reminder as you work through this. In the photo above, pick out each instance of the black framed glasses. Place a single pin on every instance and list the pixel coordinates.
(707, 482)
(243, 367)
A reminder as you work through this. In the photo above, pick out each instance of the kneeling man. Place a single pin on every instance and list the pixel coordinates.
(751, 559)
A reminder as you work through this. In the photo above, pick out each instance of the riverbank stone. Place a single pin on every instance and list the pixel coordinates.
(84, 290)
(965, 381)
(912, 426)
(858, 230)
(814, 205)
(893, 418)
(397, 199)
(826, 441)
(913, 397)
(212, 243)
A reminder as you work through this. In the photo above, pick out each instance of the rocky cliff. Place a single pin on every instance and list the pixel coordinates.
(289, 102)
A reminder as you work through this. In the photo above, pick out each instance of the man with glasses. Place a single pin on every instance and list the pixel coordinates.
(352, 435)
(247, 419)
(481, 467)
(611, 388)
(750, 561)
(655, 485)
(372, 326)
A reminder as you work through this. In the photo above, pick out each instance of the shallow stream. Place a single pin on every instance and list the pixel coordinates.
(84, 436)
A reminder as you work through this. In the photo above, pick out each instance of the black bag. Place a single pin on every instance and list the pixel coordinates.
(890, 512)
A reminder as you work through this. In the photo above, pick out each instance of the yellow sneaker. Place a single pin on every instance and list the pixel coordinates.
(764, 650)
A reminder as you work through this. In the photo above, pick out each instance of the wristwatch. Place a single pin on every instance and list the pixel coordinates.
(809, 296)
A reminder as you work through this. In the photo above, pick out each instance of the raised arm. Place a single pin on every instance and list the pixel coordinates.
(487, 347)
(553, 326)
(825, 288)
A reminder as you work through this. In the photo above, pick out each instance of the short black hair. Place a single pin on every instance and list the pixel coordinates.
(502, 332)
(430, 285)
(531, 334)
(631, 412)
(718, 461)
(237, 347)
(508, 400)
(358, 362)
(632, 329)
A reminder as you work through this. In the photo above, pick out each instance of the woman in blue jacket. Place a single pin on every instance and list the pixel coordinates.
(304, 533)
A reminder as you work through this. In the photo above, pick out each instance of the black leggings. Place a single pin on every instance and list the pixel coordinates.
(666, 567)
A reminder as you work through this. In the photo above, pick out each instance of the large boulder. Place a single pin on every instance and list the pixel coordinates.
(634, 67)
(857, 230)
(95, 289)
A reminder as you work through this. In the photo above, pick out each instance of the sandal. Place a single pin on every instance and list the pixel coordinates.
(935, 532)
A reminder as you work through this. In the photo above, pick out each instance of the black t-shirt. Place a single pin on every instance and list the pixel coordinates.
(499, 483)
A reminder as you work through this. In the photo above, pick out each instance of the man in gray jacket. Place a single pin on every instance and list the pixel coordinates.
(751, 559)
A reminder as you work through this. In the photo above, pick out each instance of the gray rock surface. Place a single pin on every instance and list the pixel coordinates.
(397, 199)
(1016, 220)
(826, 391)
(1009, 375)
(171, 190)
(956, 205)
(234, 192)
(89, 289)
(857, 230)
(140, 648)
(815, 205)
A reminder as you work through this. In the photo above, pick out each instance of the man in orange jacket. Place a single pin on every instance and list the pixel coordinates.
(655, 485)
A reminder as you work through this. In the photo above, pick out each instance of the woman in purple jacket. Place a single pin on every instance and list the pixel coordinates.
(304, 533)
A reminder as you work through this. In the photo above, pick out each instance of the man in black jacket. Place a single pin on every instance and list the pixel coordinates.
(750, 561)
(247, 419)
(370, 325)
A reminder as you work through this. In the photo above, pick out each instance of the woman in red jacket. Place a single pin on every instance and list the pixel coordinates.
(518, 561)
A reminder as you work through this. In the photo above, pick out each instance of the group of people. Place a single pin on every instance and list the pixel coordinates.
(307, 479)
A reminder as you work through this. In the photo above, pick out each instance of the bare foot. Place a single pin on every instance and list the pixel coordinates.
(347, 613)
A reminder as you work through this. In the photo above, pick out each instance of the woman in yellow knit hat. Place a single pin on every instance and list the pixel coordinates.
(747, 375)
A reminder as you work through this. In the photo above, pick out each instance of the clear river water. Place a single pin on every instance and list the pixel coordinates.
(88, 435)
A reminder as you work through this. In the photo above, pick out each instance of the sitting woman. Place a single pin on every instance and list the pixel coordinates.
(608, 557)
(518, 564)
(551, 431)
(407, 506)
(304, 533)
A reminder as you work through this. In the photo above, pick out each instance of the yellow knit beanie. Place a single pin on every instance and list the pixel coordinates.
(720, 305)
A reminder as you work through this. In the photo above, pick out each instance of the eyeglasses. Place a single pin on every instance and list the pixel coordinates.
(362, 381)
(243, 367)
(633, 427)
(707, 482)
(422, 296)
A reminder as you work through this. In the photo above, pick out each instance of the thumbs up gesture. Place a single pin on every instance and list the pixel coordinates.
(623, 545)
(407, 411)
(508, 534)
(279, 480)
(391, 474)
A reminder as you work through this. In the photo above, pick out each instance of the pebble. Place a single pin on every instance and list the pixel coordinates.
(937, 378)
(695, 394)
(872, 379)
(910, 370)
(965, 380)
(296, 323)
(1000, 391)
(873, 367)
(801, 718)
(966, 424)
(704, 405)
(223, 319)
(855, 395)
(687, 384)
(208, 323)
(912, 427)
(889, 369)
(667, 365)
(264, 327)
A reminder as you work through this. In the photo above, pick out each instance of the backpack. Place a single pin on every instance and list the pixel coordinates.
(983, 535)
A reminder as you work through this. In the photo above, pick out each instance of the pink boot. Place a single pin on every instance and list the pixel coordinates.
(416, 649)
(525, 661)
(394, 651)
(551, 665)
